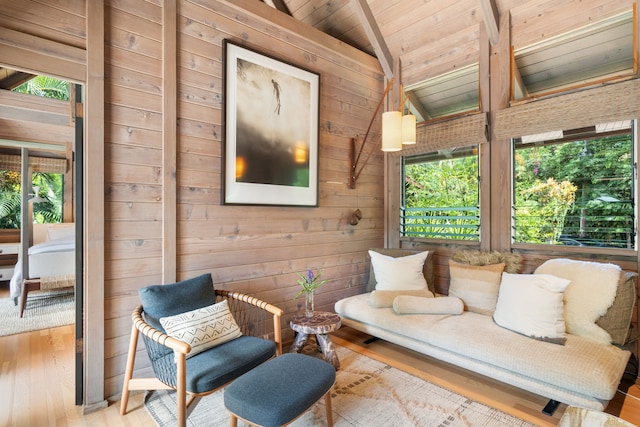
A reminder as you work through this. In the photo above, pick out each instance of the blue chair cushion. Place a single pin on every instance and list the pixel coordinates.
(280, 390)
(217, 366)
(168, 300)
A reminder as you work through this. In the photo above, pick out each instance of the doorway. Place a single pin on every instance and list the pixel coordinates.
(50, 133)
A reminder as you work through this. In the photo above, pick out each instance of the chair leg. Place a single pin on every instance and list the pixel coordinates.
(128, 374)
(327, 405)
(233, 420)
(181, 396)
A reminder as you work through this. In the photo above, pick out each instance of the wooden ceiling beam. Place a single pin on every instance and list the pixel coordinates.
(279, 5)
(490, 14)
(11, 79)
(375, 36)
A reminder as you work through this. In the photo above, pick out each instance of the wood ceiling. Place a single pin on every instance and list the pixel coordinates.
(436, 42)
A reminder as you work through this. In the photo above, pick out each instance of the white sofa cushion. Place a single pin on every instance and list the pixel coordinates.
(476, 337)
(531, 304)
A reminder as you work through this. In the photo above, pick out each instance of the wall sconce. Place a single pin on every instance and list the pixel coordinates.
(397, 130)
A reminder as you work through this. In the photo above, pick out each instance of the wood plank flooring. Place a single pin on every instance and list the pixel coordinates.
(37, 383)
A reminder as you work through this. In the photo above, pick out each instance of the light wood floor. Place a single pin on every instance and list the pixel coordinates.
(37, 384)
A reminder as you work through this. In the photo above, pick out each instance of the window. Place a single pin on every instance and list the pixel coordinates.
(441, 195)
(47, 209)
(576, 187)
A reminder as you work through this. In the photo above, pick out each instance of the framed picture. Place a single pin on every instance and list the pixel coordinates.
(271, 130)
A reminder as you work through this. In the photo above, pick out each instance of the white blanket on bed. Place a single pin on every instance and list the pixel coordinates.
(64, 245)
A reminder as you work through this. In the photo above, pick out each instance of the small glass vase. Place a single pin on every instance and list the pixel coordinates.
(309, 304)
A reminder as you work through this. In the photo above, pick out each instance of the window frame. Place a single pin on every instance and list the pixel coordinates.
(601, 250)
(459, 152)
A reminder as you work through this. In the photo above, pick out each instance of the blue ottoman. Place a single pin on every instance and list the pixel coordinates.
(280, 390)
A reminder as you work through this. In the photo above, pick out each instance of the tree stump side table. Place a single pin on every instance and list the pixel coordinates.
(321, 325)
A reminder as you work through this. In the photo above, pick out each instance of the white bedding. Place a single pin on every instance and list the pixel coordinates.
(49, 259)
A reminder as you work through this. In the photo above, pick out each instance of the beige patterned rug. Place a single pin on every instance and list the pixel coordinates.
(43, 310)
(367, 393)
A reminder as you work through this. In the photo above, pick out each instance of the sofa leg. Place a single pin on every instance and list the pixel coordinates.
(550, 407)
(370, 340)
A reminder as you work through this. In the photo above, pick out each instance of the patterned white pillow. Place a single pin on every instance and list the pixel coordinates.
(203, 328)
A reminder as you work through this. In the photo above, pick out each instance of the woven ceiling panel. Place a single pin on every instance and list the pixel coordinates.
(461, 132)
(604, 104)
(37, 164)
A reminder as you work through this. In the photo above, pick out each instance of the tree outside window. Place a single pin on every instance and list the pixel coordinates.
(575, 190)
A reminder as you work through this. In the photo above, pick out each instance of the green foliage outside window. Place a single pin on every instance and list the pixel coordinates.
(51, 186)
(45, 86)
(441, 195)
(576, 192)
(9, 199)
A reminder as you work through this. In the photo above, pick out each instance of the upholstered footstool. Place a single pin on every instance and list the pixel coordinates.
(280, 390)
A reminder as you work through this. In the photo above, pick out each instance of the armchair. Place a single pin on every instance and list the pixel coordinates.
(205, 372)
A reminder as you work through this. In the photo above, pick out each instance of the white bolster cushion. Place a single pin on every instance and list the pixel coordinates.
(381, 299)
(404, 304)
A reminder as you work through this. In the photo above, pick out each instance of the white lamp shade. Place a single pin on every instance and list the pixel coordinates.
(392, 131)
(408, 129)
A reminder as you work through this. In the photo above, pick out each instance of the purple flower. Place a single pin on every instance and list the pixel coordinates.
(310, 276)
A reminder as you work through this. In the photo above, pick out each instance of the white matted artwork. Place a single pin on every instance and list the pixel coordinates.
(271, 134)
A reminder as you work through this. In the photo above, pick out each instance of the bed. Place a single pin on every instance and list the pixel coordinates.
(51, 264)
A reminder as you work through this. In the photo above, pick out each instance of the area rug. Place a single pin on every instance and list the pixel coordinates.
(43, 310)
(367, 393)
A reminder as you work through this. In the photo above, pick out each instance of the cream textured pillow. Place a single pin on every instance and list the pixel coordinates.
(591, 292)
(203, 328)
(476, 285)
(531, 304)
(381, 299)
(401, 273)
(404, 304)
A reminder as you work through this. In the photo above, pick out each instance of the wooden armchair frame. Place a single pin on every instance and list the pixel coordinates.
(242, 306)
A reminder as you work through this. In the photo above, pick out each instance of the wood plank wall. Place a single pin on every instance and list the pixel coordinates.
(253, 249)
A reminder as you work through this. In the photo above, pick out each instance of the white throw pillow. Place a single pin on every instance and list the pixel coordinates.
(476, 285)
(531, 304)
(591, 292)
(203, 328)
(401, 273)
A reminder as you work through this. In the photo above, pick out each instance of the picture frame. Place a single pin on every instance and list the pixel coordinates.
(271, 130)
